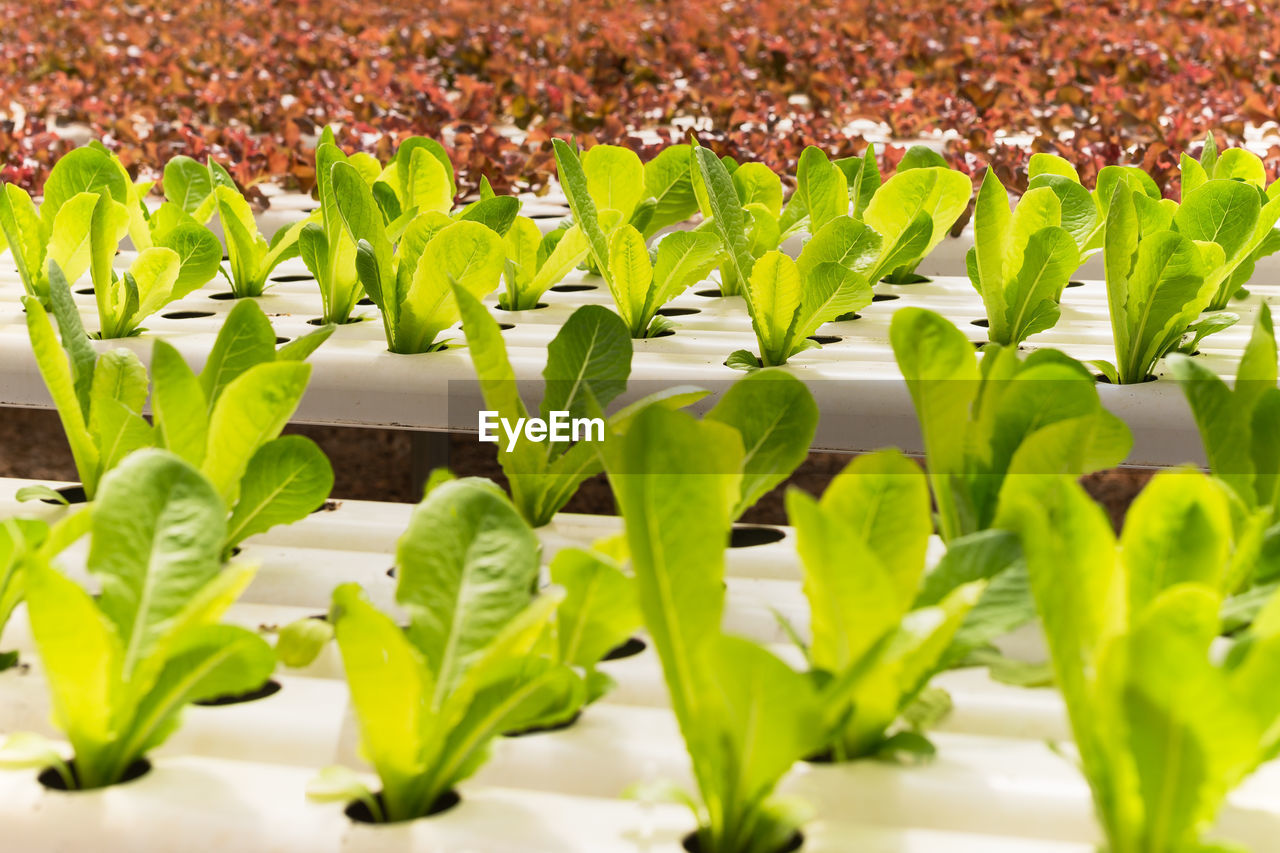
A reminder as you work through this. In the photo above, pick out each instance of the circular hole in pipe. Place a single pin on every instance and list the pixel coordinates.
(826, 339)
(573, 288)
(358, 810)
(885, 297)
(750, 535)
(52, 779)
(186, 315)
(629, 649)
(72, 494)
(678, 312)
(271, 688)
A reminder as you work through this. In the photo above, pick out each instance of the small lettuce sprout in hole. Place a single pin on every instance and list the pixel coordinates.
(536, 262)
(1020, 261)
(121, 668)
(597, 615)
(226, 420)
(251, 258)
(1166, 719)
(788, 300)
(430, 698)
(746, 717)
(974, 417)
(880, 627)
(588, 362)
(1158, 283)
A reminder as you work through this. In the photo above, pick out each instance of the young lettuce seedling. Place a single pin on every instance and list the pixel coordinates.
(640, 287)
(226, 421)
(788, 300)
(121, 668)
(745, 715)
(536, 262)
(413, 283)
(986, 421)
(742, 204)
(1158, 283)
(430, 698)
(1239, 426)
(1020, 261)
(588, 363)
(880, 629)
(912, 212)
(19, 539)
(251, 258)
(1164, 723)
(598, 613)
(89, 205)
(1084, 213)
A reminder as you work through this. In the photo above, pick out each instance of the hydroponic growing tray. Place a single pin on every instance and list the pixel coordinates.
(854, 379)
(233, 777)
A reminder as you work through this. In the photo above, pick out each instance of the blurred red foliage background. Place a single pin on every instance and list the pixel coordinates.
(250, 82)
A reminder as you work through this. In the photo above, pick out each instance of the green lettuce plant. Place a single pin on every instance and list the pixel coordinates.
(413, 282)
(641, 286)
(431, 697)
(912, 212)
(1226, 200)
(789, 300)
(1238, 424)
(986, 422)
(879, 627)
(120, 668)
(1165, 723)
(588, 363)
(537, 261)
(89, 205)
(1084, 211)
(1158, 283)
(19, 538)
(226, 421)
(251, 258)
(1021, 261)
(746, 716)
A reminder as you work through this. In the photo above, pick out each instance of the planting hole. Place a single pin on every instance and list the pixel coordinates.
(534, 308)
(72, 494)
(364, 300)
(52, 779)
(629, 649)
(505, 326)
(980, 323)
(186, 315)
(979, 344)
(748, 536)
(271, 688)
(849, 316)
(225, 295)
(538, 730)
(712, 293)
(884, 297)
(280, 340)
(826, 339)
(573, 288)
(288, 278)
(665, 333)
(678, 312)
(794, 843)
(359, 812)
(85, 291)
(1075, 284)
(327, 506)
(909, 278)
(350, 321)
(1103, 380)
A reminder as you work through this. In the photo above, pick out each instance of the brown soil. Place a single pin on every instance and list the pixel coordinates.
(378, 464)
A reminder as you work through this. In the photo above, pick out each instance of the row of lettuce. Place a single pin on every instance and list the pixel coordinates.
(392, 233)
(1161, 642)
